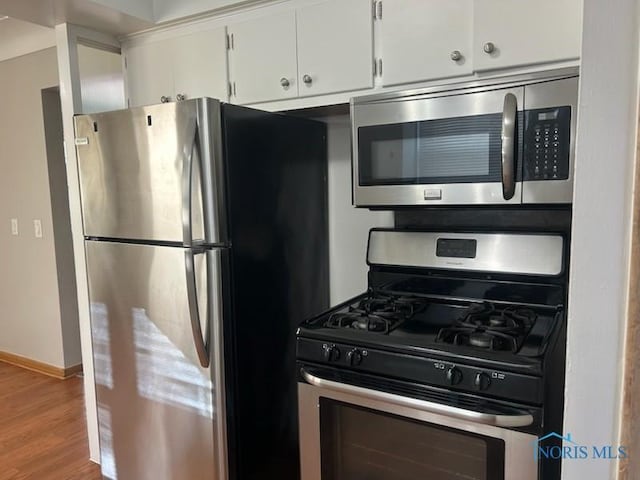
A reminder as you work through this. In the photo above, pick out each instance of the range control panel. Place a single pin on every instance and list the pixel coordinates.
(547, 140)
(428, 371)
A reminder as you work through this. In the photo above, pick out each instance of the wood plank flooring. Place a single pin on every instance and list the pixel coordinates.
(42, 428)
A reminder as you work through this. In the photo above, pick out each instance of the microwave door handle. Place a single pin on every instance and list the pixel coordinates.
(521, 419)
(508, 138)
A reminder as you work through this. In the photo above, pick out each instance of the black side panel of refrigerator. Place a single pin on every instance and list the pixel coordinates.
(278, 219)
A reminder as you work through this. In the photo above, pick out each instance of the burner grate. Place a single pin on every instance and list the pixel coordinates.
(485, 326)
(380, 313)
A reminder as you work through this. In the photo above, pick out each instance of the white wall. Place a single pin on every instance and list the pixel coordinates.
(68, 37)
(19, 38)
(101, 79)
(348, 226)
(65, 269)
(601, 229)
(31, 319)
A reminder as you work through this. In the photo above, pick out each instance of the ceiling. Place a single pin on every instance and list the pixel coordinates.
(27, 25)
(170, 10)
(111, 16)
(118, 17)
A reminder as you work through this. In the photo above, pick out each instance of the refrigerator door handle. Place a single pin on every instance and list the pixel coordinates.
(202, 346)
(187, 185)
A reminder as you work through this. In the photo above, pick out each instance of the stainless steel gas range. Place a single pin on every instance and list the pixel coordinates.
(450, 366)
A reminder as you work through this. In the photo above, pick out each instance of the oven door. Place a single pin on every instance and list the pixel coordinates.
(354, 433)
(442, 149)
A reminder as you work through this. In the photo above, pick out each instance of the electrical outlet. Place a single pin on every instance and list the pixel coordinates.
(14, 226)
(37, 228)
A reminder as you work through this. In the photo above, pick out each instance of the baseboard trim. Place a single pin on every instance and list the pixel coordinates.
(40, 367)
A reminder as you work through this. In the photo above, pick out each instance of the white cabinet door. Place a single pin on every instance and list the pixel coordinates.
(420, 37)
(263, 62)
(526, 32)
(149, 73)
(335, 47)
(200, 64)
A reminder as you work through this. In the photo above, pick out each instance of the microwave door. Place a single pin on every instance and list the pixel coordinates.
(460, 149)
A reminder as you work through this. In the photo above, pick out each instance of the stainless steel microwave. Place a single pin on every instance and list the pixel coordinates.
(495, 141)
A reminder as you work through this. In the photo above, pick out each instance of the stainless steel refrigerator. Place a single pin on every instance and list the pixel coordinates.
(206, 244)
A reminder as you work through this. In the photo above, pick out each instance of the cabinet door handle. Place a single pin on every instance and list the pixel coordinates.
(180, 97)
(456, 55)
(285, 82)
(165, 99)
(489, 47)
(307, 79)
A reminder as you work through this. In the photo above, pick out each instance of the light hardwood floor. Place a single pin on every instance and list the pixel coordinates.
(42, 428)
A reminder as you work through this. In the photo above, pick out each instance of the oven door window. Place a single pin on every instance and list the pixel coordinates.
(449, 150)
(362, 444)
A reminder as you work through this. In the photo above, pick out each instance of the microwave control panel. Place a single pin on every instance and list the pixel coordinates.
(546, 143)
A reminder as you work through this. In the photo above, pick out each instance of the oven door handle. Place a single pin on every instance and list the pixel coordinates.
(521, 419)
(508, 137)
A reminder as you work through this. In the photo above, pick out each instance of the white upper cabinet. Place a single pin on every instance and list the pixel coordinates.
(189, 66)
(425, 39)
(200, 64)
(296, 49)
(335, 47)
(149, 73)
(510, 33)
(263, 62)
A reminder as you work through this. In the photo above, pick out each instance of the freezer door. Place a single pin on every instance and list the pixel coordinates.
(153, 173)
(161, 412)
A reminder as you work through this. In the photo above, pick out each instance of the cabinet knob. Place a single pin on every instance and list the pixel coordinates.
(180, 97)
(307, 79)
(489, 47)
(456, 55)
(165, 99)
(285, 82)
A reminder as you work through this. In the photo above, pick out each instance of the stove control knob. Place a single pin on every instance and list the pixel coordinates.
(454, 376)
(330, 353)
(482, 381)
(354, 357)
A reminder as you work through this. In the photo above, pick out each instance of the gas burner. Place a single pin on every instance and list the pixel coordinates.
(496, 321)
(484, 326)
(370, 323)
(379, 313)
(480, 339)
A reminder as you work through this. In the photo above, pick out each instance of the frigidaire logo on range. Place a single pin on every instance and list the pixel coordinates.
(571, 450)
